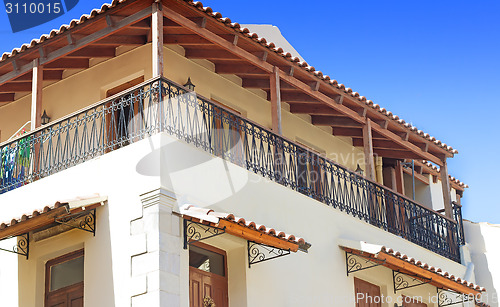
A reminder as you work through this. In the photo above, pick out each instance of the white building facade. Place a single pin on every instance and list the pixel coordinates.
(259, 182)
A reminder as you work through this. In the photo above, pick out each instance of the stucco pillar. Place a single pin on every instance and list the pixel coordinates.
(156, 272)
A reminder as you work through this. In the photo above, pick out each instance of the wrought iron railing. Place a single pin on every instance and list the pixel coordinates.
(145, 110)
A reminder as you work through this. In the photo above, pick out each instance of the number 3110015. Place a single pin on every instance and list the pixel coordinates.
(33, 8)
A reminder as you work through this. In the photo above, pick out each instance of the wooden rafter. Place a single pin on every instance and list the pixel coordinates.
(313, 109)
(334, 121)
(94, 52)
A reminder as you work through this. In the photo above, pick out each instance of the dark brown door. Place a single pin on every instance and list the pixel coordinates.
(207, 276)
(64, 281)
(367, 294)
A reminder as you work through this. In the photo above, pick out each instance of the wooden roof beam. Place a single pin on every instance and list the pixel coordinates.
(350, 132)
(67, 63)
(94, 52)
(238, 69)
(312, 109)
(131, 40)
(285, 76)
(80, 43)
(185, 39)
(262, 84)
(297, 97)
(334, 121)
(48, 75)
(16, 87)
(7, 97)
(209, 54)
(396, 154)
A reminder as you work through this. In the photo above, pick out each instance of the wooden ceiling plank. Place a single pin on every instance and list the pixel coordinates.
(195, 53)
(334, 121)
(312, 109)
(16, 87)
(93, 52)
(7, 97)
(239, 69)
(123, 40)
(68, 63)
(350, 132)
(297, 97)
(396, 154)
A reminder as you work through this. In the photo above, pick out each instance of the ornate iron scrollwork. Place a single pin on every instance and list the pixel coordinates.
(194, 232)
(450, 297)
(260, 252)
(22, 246)
(84, 220)
(402, 281)
(356, 263)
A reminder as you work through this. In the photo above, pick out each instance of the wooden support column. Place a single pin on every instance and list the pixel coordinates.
(276, 100)
(445, 183)
(400, 183)
(368, 150)
(157, 39)
(36, 95)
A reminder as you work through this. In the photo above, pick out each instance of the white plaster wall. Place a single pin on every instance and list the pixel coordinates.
(482, 240)
(314, 279)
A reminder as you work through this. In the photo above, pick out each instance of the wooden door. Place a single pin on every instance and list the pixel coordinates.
(366, 294)
(64, 281)
(207, 285)
(207, 276)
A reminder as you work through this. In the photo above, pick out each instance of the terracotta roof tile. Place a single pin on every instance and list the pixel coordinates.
(244, 31)
(437, 169)
(207, 214)
(390, 251)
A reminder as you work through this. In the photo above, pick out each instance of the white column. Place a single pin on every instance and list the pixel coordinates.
(156, 273)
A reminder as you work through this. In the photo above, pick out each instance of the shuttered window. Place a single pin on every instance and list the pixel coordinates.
(367, 294)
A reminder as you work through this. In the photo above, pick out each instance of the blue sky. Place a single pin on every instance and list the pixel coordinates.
(436, 64)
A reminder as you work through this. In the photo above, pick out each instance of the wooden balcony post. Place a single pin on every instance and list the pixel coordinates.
(445, 183)
(157, 39)
(400, 183)
(276, 101)
(368, 150)
(36, 95)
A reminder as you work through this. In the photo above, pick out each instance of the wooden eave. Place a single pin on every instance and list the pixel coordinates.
(42, 220)
(205, 37)
(249, 234)
(402, 266)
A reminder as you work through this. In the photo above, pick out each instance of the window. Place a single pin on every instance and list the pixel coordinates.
(64, 280)
(207, 275)
(367, 294)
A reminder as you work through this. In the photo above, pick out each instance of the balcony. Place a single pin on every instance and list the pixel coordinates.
(160, 105)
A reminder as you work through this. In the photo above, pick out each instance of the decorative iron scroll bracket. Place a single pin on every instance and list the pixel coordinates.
(450, 297)
(22, 246)
(84, 220)
(258, 252)
(194, 232)
(401, 281)
(355, 263)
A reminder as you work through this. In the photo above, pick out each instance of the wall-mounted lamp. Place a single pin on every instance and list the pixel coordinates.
(189, 85)
(359, 170)
(45, 118)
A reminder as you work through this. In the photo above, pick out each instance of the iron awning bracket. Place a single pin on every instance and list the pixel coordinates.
(258, 252)
(22, 246)
(84, 220)
(194, 232)
(401, 281)
(355, 263)
(447, 297)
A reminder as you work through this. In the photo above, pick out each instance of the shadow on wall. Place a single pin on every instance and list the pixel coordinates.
(485, 253)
